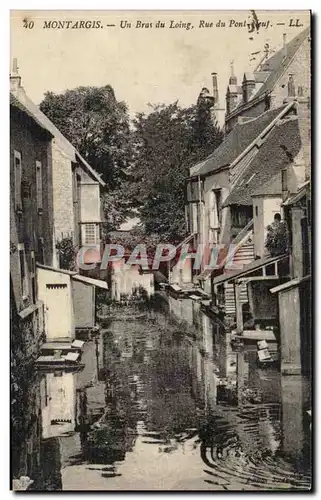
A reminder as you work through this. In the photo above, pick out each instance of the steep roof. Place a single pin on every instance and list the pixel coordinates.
(18, 105)
(234, 89)
(271, 187)
(70, 151)
(261, 175)
(278, 63)
(274, 67)
(235, 142)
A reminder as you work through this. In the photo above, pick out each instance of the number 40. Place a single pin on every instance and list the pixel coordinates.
(28, 24)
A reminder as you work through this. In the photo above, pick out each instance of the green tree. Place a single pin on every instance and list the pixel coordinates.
(166, 143)
(277, 241)
(97, 125)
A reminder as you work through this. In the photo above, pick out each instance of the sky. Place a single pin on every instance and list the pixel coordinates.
(145, 64)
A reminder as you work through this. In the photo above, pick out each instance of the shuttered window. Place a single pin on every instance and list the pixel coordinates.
(23, 271)
(17, 179)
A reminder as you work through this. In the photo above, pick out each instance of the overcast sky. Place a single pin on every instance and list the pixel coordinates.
(142, 64)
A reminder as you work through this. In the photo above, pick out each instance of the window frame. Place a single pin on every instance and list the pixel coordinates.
(23, 271)
(39, 187)
(284, 180)
(95, 240)
(17, 181)
(33, 277)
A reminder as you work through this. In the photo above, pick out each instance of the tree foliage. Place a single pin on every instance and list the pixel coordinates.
(166, 143)
(97, 125)
(145, 166)
(277, 238)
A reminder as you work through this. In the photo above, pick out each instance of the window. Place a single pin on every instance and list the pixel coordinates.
(220, 295)
(256, 211)
(195, 213)
(23, 271)
(91, 234)
(284, 180)
(218, 200)
(39, 185)
(241, 216)
(33, 277)
(17, 180)
(215, 208)
(41, 251)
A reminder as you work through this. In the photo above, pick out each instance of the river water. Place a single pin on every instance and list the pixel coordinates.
(149, 412)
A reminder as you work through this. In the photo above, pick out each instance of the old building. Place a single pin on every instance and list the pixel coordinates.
(55, 211)
(31, 221)
(286, 71)
(76, 187)
(126, 279)
(295, 294)
(31, 240)
(216, 216)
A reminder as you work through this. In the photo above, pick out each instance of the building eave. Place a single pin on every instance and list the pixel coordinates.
(290, 284)
(90, 169)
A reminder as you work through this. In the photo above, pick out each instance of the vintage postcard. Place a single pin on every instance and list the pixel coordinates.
(160, 250)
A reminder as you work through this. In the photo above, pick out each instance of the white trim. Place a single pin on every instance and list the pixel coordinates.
(90, 281)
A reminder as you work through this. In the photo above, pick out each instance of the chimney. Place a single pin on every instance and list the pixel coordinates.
(215, 89)
(285, 49)
(233, 79)
(218, 111)
(248, 86)
(15, 78)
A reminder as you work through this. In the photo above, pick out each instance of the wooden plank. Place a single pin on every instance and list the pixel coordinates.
(255, 335)
(56, 346)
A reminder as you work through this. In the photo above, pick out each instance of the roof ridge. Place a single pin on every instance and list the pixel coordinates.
(291, 42)
(280, 68)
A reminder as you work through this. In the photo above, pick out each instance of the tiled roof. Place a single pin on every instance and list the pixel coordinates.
(275, 67)
(235, 142)
(271, 187)
(44, 121)
(235, 89)
(262, 174)
(277, 63)
(17, 104)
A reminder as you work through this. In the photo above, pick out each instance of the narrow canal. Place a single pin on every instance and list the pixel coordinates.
(148, 412)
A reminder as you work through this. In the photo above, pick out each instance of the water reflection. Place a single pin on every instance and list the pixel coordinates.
(164, 395)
